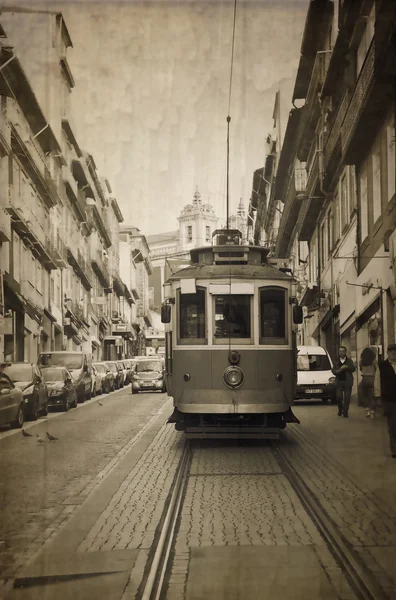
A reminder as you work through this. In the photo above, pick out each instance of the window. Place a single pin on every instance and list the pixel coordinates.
(391, 156)
(207, 233)
(344, 202)
(323, 253)
(329, 232)
(376, 164)
(192, 317)
(39, 278)
(273, 316)
(189, 233)
(363, 202)
(232, 316)
(336, 220)
(16, 262)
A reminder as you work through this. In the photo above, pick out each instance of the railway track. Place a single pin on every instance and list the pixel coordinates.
(361, 581)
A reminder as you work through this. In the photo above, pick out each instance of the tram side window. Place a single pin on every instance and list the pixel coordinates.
(192, 317)
(273, 316)
(232, 316)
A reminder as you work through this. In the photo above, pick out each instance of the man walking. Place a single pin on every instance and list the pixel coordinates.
(343, 371)
(387, 369)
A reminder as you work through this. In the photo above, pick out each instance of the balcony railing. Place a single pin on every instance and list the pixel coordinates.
(60, 251)
(5, 226)
(359, 97)
(25, 223)
(335, 132)
(317, 78)
(101, 269)
(80, 265)
(300, 179)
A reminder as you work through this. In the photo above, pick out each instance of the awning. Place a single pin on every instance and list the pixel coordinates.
(309, 296)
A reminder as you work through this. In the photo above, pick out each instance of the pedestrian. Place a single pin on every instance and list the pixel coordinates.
(387, 390)
(369, 369)
(344, 381)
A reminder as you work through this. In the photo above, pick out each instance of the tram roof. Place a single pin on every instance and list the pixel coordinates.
(227, 270)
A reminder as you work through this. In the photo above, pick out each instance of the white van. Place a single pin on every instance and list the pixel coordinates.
(314, 376)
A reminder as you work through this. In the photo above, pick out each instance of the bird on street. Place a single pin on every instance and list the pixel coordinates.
(51, 438)
(39, 439)
(26, 434)
(100, 403)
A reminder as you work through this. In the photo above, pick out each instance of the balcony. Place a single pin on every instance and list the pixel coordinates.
(297, 188)
(5, 136)
(101, 269)
(70, 184)
(31, 232)
(332, 147)
(317, 80)
(5, 226)
(101, 226)
(358, 100)
(60, 251)
(81, 266)
(118, 285)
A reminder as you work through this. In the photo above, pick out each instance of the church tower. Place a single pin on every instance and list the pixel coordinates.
(197, 222)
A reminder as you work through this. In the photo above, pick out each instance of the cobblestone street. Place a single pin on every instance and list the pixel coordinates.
(239, 516)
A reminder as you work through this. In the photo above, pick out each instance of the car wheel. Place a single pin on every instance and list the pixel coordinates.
(134, 391)
(74, 405)
(44, 410)
(89, 395)
(66, 405)
(19, 419)
(81, 399)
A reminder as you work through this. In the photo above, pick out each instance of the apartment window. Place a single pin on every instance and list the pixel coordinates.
(363, 202)
(323, 253)
(329, 232)
(16, 247)
(344, 202)
(52, 289)
(391, 156)
(207, 233)
(376, 166)
(337, 220)
(189, 233)
(39, 277)
(352, 188)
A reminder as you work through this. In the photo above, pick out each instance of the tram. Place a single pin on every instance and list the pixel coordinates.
(230, 341)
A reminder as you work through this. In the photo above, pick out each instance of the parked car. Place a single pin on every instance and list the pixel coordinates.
(149, 374)
(29, 379)
(61, 388)
(96, 382)
(11, 403)
(106, 377)
(117, 374)
(122, 365)
(314, 376)
(78, 363)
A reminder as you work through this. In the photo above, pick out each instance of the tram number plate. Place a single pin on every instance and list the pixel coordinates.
(314, 391)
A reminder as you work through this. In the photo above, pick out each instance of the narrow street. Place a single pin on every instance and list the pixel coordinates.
(93, 506)
(41, 485)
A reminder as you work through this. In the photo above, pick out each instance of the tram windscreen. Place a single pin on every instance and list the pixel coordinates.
(192, 316)
(232, 316)
(273, 316)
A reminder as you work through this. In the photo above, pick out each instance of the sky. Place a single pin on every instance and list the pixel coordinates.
(152, 93)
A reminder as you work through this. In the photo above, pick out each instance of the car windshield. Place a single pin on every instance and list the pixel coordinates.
(313, 362)
(100, 368)
(53, 374)
(148, 366)
(19, 372)
(112, 367)
(70, 361)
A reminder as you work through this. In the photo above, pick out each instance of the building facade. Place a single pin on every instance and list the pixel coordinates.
(61, 287)
(336, 176)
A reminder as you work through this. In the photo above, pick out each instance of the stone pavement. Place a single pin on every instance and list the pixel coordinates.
(347, 465)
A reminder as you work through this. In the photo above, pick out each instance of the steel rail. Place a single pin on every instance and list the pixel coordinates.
(153, 586)
(362, 582)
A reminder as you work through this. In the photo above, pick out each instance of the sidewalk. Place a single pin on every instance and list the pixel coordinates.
(348, 467)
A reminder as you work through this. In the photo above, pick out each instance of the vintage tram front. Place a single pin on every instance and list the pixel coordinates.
(230, 342)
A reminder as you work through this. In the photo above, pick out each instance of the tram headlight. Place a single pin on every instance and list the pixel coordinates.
(233, 377)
